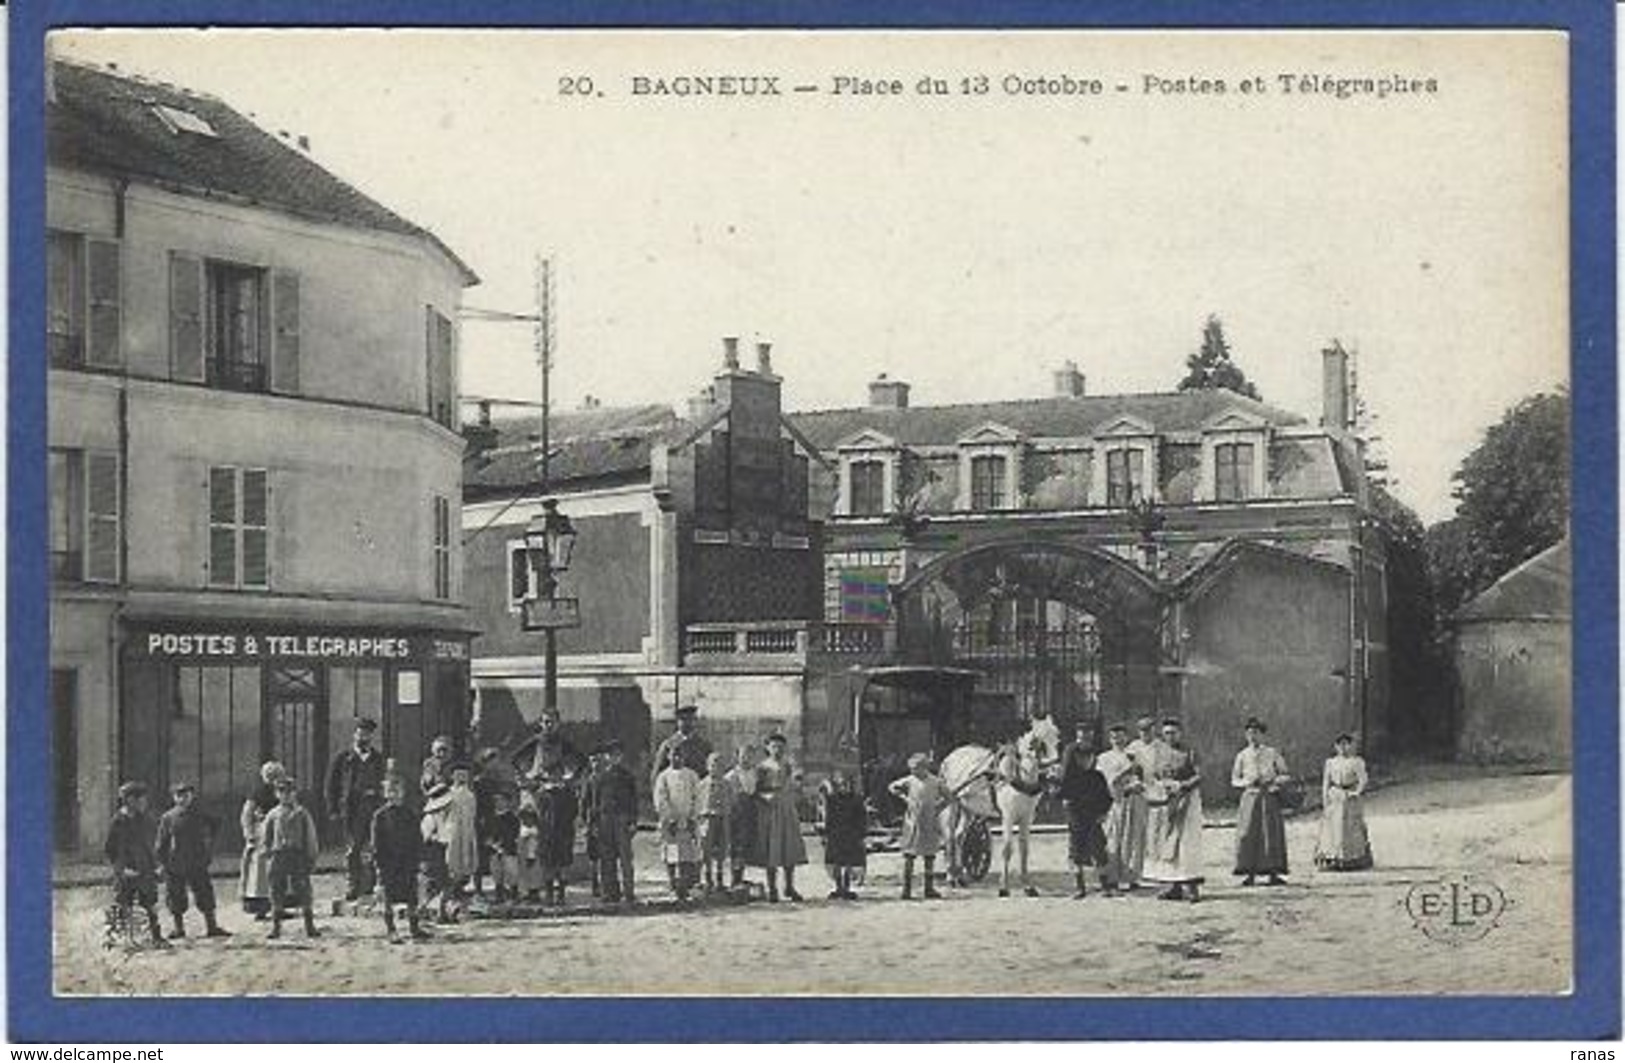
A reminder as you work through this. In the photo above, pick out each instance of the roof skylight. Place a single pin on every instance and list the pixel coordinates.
(182, 121)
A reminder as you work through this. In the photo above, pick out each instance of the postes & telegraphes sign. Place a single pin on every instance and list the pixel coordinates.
(271, 643)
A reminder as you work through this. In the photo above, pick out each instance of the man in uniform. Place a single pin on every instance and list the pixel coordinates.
(686, 741)
(355, 789)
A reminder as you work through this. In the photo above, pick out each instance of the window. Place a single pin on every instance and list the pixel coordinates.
(233, 326)
(238, 533)
(1232, 471)
(1125, 476)
(179, 120)
(987, 482)
(442, 548)
(82, 300)
(438, 344)
(520, 585)
(84, 516)
(867, 488)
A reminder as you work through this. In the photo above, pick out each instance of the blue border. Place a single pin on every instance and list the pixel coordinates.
(1593, 1011)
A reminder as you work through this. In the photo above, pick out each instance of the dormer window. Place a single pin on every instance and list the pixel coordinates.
(1232, 472)
(1235, 450)
(1125, 476)
(1126, 462)
(987, 482)
(866, 488)
(989, 464)
(868, 471)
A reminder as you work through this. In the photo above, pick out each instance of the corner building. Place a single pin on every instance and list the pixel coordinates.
(254, 456)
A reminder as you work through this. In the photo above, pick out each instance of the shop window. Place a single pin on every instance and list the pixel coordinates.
(1232, 471)
(82, 300)
(239, 553)
(987, 482)
(84, 515)
(442, 548)
(215, 740)
(866, 488)
(1125, 476)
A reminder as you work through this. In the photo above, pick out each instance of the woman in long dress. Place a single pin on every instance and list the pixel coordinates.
(1344, 844)
(778, 828)
(1174, 826)
(1125, 823)
(1258, 773)
(254, 881)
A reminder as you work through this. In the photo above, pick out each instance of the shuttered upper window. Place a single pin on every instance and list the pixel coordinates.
(442, 547)
(233, 326)
(239, 541)
(84, 516)
(438, 342)
(82, 301)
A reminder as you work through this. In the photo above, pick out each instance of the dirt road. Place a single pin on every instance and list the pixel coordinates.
(1324, 933)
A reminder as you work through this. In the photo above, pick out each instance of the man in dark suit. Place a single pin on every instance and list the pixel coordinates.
(355, 789)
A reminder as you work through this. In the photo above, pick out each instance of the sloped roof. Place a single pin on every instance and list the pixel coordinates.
(603, 443)
(1540, 588)
(105, 122)
(1058, 417)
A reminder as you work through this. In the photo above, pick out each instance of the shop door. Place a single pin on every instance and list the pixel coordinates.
(65, 756)
(295, 735)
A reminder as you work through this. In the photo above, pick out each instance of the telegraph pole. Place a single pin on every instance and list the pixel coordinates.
(542, 338)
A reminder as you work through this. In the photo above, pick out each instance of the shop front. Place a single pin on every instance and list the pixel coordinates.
(209, 703)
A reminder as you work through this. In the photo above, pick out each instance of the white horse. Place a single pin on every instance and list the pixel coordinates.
(1022, 767)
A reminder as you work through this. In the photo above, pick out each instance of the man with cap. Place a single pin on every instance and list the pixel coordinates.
(355, 789)
(686, 742)
(130, 850)
(185, 841)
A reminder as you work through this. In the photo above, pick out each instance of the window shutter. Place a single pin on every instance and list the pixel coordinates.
(285, 332)
(223, 526)
(186, 317)
(102, 512)
(518, 573)
(448, 388)
(102, 347)
(256, 547)
(431, 378)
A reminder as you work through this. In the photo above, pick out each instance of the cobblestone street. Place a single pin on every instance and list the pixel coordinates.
(1323, 933)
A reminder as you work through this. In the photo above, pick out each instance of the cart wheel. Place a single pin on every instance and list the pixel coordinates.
(976, 850)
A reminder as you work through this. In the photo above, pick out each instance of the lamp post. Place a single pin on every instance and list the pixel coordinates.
(549, 541)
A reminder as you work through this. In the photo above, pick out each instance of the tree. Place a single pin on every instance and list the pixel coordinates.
(1418, 663)
(1211, 367)
(1512, 499)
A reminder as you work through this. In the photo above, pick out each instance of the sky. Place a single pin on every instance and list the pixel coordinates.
(968, 244)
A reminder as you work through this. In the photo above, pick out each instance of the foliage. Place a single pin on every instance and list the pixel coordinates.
(1512, 495)
(1418, 664)
(1212, 366)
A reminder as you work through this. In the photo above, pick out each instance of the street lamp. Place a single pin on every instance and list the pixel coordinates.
(549, 541)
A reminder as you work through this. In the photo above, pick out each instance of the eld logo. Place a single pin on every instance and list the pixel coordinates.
(1456, 910)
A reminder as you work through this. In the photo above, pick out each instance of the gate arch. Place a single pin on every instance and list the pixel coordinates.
(1070, 626)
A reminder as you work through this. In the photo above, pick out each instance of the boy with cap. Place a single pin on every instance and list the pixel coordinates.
(395, 843)
(1088, 799)
(291, 841)
(185, 840)
(614, 813)
(129, 849)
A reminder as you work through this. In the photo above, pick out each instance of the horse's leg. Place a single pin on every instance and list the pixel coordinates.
(1024, 842)
(1006, 828)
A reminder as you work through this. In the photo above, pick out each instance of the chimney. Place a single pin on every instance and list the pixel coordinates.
(1334, 388)
(485, 413)
(1068, 381)
(304, 143)
(730, 353)
(591, 402)
(888, 394)
(764, 358)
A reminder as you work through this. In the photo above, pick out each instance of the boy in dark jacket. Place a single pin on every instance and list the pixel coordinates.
(129, 849)
(1088, 799)
(615, 817)
(185, 840)
(396, 841)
